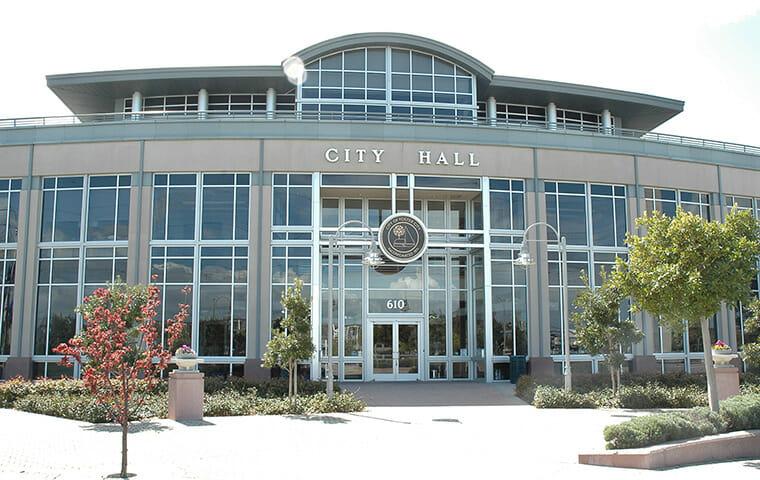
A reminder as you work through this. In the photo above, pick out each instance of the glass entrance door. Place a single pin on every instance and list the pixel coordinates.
(395, 350)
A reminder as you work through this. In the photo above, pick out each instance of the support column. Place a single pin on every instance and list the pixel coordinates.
(316, 281)
(551, 116)
(202, 103)
(606, 122)
(137, 104)
(491, 110)
(271, 102)
(19, 363)
(487, 290)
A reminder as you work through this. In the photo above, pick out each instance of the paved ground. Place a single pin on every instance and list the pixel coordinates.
(499, 438)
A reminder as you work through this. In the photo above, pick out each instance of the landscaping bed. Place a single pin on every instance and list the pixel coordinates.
(223, 397)
(639, 391)
(741, 412)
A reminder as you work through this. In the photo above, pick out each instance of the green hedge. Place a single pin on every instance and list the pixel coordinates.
(741, 412)
(635, 396)
(663, 427)
(230, 397)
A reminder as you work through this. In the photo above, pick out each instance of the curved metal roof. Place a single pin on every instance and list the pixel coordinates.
(475, 66)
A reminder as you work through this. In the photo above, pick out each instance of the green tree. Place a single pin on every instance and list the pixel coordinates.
(600, 328)
(751, 350)
(291, 342)
(683, 268)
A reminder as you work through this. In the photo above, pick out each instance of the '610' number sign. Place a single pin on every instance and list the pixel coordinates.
(395, 304)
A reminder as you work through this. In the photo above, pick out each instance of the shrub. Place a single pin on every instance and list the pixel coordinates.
(82, 408)
(741, 412)
(636, 396)
(342, 402)
(525, 388)
(225, 403)
(658, 396)
(553, 397)
(663, 427)
(278, 387)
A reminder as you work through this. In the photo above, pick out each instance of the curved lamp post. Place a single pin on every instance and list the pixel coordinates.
(371, 258)
(524, 260)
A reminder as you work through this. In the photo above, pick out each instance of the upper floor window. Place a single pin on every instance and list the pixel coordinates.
(666, 201)
(223, 198)
(108, 208)
(62, 209)
(375, 81)
(291, 199)
(9, 203)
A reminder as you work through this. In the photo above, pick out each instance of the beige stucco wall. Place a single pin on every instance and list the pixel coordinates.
(658, 172)
(737, 181)
(583, 166)
(14, 161)
(90, 158)
(201, 155)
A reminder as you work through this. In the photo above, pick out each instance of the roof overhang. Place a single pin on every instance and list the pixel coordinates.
(639, 111)
(95, 92)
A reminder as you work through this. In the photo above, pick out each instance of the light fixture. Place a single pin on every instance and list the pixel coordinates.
(525, 259)
(372, 258)
(294, 69)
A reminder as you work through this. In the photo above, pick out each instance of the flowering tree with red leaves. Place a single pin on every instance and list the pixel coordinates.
(120, 349)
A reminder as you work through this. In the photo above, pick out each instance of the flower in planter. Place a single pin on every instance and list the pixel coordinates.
(185, 352)
(721, 346)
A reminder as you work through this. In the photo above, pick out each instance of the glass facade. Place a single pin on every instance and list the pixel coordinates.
(200, 240)
(380, 83)
(433, 312)
(82, 246)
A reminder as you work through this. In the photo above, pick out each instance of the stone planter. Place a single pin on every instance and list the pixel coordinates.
(722, 358)
(187, 364)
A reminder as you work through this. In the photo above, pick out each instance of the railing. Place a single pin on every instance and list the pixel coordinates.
(467, 121)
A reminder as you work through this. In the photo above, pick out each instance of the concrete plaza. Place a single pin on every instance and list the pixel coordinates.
(482, 432)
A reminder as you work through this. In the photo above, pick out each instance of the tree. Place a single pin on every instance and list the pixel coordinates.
(291, 342)
(120, 350)
(683, 268)
(599, 326)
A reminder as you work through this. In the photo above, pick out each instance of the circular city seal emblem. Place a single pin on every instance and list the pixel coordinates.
(403, 238)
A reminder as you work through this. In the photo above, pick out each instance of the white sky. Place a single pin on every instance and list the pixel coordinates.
(705, 53)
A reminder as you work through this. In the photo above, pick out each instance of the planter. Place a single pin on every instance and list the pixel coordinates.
(722, 358)
(187, 364)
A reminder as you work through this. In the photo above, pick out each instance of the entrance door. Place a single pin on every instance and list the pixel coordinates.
(395, 350)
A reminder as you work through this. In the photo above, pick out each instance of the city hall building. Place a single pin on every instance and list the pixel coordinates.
(235, 181)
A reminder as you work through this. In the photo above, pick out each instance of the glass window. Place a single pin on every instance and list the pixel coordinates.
(172, 270)
(224, 212)
(7, 282)
(566, 211)
(174, 206)
(10, 190)
(62, 209)
(288, 263)
(222, 301)
(510, 304)
(608, 214)
(358, 77)
(577, 262)
(108, 208)
(57, 297)
(291, 200)
(507, 200)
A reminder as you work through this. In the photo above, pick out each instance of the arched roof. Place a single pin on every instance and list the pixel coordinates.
(404, 40)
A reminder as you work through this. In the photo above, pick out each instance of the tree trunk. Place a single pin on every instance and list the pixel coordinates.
(124, 431)
(612, 379)
(712, 390)
(124, 426)
(295, 381)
